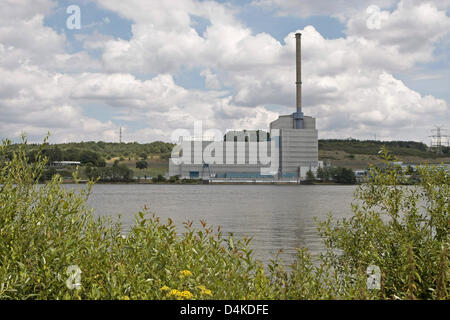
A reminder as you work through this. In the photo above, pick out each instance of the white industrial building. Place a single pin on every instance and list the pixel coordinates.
(288, 151)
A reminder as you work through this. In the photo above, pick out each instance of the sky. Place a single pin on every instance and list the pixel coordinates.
(376, 69)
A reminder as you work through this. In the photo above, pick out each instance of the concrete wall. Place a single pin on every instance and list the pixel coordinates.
(247, 135)
(283, 122)
(298, 152)
(309, 123)
(287, 122)
(222, 157)
(299, 148)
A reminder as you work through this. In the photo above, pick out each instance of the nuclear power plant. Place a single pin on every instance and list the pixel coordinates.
(287, 152)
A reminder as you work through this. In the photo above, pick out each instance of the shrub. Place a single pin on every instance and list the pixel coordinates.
(159, 178)
(344, 175)
(141, 164)
(45, 230)
(116, 173)
(323, 173)
(310, 176)
(404, 230)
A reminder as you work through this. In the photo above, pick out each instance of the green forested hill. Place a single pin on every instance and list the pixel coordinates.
(348, 153)
(85, 151)
(73, 150)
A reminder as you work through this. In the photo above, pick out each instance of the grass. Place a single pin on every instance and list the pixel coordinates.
(341, 158)
(156, 166)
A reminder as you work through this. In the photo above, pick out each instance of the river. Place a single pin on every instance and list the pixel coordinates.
(276, 216)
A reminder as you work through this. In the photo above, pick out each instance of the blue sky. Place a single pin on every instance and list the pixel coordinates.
(259, 20)
(152, 67)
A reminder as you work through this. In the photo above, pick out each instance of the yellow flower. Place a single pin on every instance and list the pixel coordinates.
(180, 295)
(186, 294)
(204, 290)
(174, 292)
(165, 288)
(185, 273)
(125, 298)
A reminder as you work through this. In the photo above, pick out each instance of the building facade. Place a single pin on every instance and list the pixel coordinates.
(288, 151)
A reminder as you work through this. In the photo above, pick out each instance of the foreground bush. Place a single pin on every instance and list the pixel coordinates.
(45, 230)
(402, 230)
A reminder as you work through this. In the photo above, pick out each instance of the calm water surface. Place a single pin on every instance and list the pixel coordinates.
(277, 217)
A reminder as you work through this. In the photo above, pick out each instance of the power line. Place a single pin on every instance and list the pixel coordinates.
(437, 139)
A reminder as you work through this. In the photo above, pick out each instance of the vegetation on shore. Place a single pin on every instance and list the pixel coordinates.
(144, 163)
(152, 159)
(338, 175)
(48, 231)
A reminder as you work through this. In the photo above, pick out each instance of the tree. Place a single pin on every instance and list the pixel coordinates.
(323, 174)
(87, 156)
(92, 157)
(144, 156)
(125, 173)
(53, 153)
(310, 176)
(101, 162)
(344, 175)
(71, 154)
(142, 164)
(48, 174)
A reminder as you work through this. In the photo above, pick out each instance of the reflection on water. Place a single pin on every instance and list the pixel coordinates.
(277, 217)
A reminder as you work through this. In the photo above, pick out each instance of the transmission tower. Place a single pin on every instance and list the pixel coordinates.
(120, 135)
(438, 138)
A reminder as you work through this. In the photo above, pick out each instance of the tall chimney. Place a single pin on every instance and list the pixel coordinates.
(298, 38)
(298, 116)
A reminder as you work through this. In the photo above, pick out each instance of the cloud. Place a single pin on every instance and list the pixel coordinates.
(348, 83)
(38, 101)
(386, 105)
(25, 39)
(337, 8)
(342, 9)
(211, 80)
(408, 34)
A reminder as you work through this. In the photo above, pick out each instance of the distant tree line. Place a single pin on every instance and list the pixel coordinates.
(110, 149)
(174, 180)
(116, 173)
(336, 174)
(95, 153)
(55, 153)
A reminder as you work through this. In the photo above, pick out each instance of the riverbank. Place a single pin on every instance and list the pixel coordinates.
(203, 182)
